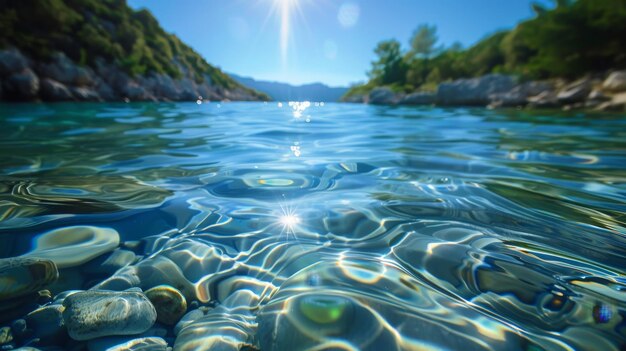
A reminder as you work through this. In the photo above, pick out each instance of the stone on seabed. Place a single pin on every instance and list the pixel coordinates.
(75, 245)
(47, 323)
(92, 314)
(169, 303)
(117, 343)
(21, 276)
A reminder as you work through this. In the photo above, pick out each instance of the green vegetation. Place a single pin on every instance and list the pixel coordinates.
(574, 38)
(87, 29)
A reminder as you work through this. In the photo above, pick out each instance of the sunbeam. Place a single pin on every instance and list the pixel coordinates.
(286, 7)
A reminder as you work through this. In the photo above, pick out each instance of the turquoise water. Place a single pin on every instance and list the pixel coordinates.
(334, 227)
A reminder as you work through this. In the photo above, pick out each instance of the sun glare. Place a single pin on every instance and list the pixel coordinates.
(285, 14)
(289, 221)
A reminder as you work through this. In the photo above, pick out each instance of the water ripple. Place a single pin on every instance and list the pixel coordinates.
(342, 227)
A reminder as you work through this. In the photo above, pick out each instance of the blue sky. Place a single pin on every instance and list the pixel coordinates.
(328, 41)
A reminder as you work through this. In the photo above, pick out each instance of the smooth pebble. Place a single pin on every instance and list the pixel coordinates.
(75, 245)
(21, 276)
(92, 314)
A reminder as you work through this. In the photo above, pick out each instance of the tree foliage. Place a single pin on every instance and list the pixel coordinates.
(423, 41)
(389, 68)
(87, 29)
(573, 38)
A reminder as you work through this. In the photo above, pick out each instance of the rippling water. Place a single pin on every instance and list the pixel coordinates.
(343, 227)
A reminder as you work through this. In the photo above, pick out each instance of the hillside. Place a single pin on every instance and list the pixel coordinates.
(101, 50)
(287, 92)
(573, 39)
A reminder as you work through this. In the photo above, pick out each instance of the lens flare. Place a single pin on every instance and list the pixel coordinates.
(286, 7)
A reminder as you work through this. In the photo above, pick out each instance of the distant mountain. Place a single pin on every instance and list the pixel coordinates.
(287, 92)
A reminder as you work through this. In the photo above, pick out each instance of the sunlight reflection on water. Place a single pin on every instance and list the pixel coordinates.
(369, 228)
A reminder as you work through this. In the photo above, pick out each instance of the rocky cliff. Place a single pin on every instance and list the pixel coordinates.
(605, 92)
(101, 50)
(61, 79)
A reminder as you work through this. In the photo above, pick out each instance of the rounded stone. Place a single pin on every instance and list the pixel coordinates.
(170, 304)
(22, 276)
(323, 309)
(47, 324)
(188, 319)
(75, 245)
(5, 335)
(92, 314)
(110, 263)
(116, 343)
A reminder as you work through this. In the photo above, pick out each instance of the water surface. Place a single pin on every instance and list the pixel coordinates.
(340, 226)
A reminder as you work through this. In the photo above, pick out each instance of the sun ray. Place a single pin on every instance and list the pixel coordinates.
(286, 7)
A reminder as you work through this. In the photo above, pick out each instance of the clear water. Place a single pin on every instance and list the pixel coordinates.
(340, 227)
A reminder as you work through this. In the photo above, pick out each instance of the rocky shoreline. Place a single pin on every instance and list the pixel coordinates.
(42, 308)
(605, 92)
(61, 79)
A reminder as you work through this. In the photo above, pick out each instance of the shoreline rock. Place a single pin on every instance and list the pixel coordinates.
(601, 93)
(61, 79)
(473, 91)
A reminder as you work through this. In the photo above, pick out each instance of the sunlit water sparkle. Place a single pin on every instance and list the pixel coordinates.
(337, 226)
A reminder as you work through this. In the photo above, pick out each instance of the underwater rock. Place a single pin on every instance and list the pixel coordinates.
(5, 335)
(194, 268)
(47, 324)
(22, 275)
(291, 322)
(229, 326)
(117, 343)
(75, 245)
(110, 263)
(20, 331)
(189, 318)
(169, 303)
(92, 314)
(58, 299)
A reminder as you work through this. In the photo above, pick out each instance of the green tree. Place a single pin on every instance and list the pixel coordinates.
(423, 41)
(422, 50)
(576, 38)
(389, 68)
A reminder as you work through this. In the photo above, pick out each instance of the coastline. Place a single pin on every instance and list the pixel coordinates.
(601, 92)
(61, 79)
